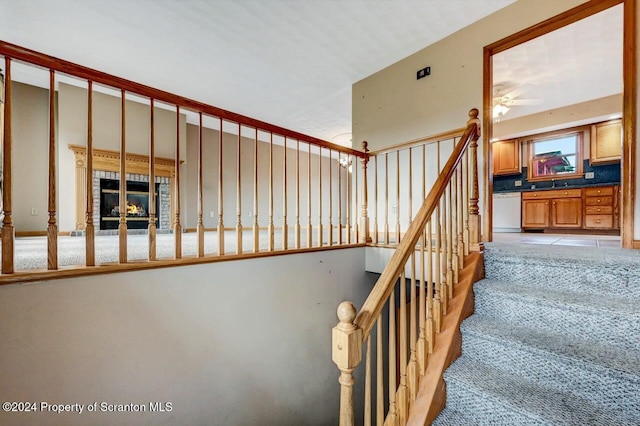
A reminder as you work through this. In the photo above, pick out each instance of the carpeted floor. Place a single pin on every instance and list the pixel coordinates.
(555, 340)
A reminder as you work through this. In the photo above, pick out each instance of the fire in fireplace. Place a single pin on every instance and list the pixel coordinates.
(137, 205)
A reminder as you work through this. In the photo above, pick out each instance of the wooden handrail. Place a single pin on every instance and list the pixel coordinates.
(372, 307)
(12, 51)
(420, 141)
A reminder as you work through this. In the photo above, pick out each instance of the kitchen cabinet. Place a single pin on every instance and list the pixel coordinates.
(582, 208)
(506, 157)
(606, 142)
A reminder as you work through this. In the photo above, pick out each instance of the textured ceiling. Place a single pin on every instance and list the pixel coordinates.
(287, 62)
(577, 63)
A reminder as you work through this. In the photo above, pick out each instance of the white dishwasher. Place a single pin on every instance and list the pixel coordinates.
(507, 215)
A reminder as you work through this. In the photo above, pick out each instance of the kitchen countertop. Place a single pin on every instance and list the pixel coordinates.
(562, 186)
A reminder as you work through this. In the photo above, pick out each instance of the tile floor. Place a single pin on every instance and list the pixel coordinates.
(602, 241)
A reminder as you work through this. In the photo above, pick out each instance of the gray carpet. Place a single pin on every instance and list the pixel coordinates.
(555, 340)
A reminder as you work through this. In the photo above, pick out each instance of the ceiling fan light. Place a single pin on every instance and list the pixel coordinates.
(500, 110)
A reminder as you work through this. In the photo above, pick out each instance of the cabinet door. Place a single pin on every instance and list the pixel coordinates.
(535, 213)
(566, 213)
(506, 157)
(606, 142)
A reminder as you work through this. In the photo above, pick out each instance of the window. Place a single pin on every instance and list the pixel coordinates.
(555, 157)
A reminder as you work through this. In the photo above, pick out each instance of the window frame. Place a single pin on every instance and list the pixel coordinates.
(579, 132)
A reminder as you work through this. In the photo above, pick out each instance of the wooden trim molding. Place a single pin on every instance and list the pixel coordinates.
(629, 124)
(109, 161)
(636, 244)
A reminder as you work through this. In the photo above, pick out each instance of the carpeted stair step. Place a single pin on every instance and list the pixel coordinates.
(599, 318)
(614, 272)
(494, 397)
(607, 376)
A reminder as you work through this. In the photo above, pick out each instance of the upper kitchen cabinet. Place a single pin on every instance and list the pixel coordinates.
(506, 157)
(606, 142)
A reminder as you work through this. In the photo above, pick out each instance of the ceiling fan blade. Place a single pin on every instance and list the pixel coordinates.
(522, 102)
(519, 91)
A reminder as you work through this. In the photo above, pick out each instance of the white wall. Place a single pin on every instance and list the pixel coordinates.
(239, 342)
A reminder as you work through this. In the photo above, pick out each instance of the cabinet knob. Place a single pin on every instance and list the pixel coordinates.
(565, 192)
(598, 200)
(598, 191)
(535, 195)
(598, 210)
(554, 203)
(597, 220)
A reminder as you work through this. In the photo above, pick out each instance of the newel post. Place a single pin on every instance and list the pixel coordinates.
(365, 236)
(475, 231)
(346, 353)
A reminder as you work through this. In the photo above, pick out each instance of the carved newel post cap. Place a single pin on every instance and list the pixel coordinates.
(364, 145)
(473, 113)
(346, 312)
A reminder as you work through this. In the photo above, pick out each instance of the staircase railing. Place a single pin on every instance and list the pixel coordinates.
(275, 189)
(438, 238)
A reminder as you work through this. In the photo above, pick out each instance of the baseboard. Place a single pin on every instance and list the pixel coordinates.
(636, 244)
(31, 233)
(504, 230)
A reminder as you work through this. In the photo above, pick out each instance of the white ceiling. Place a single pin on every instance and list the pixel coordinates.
(288, 62)
(577, 63)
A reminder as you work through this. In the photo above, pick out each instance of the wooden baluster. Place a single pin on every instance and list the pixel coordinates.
(438, 260)
(89, 233)
(392, 415)
(465, 162)
(348, 200)
(52, 226)
(320, 198)
(271, 228)
(122, 226)
(297, 230)
(285, 227)
(403, 396)
(340, 167)
(309, 224)
(256, 226)
(410, 187)
(397, 197)
(152, 185)
(475, 234)
(7, 231)
(412, 370)
(177, 226)
(367, 385)
(356, 230)
(220, 229)
(444, 293)
(346, 354)
(449, 238)
(454, 227)
(330, 234)
(239, 193)
(386, 198)
(433, 306)
(375, 197)
(379, 375)
(365, 237)
(422, 312)
(460, 215)
(200, 223)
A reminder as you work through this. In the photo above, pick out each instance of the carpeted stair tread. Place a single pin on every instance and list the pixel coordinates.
(603, 375)
(451, 417)
(614, 272)
(575, 314)
(623, 364)
(475, 389)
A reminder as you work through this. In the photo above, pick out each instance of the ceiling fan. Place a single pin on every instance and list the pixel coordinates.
(506, 97)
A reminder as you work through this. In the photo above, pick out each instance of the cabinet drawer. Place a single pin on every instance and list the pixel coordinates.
(554, 193)
(599, 201)
(597, 192)
(599, 221)
(598, 210)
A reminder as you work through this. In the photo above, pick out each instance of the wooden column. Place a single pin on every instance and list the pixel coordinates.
(364, 235)
(285, 227)
(220, 230)
(122, 226)
(52, 227)
(8, 231)
(270, 228)
(320, 196)
(90, 241)
(297, 228)
(475, 234)
(200, 223)
(309, 224)
(375, 200)
(152, 187)
(239, 193)
(346, 354)
(386, 198)
(256, 226)
(340, 168)
(177, 226)
(330, 233)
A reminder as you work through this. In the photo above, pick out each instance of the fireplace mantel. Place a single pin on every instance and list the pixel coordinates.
(109, 161)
